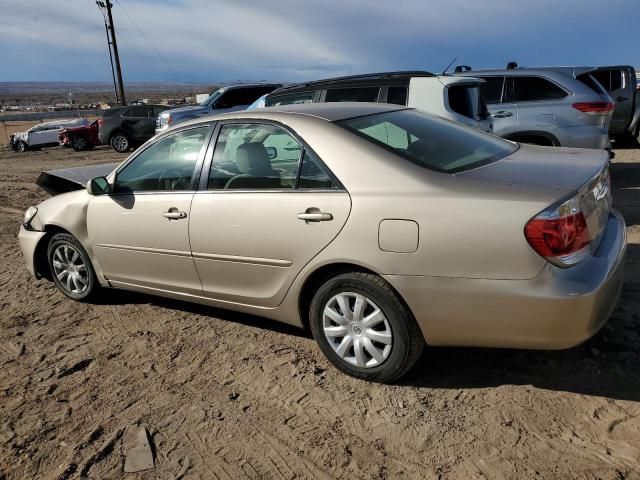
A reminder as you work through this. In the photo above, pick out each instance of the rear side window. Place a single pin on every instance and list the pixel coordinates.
(492, 89)
(291, 99)
(611, 80)
(137, 112)
(593, 83)
(428, 141)
(530, 89)
(109, 112)
(397, 95)
(465, 100)
(358, 94)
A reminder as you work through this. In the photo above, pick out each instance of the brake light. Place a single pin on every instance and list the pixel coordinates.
(169, 119)
(560, 234)
(594, 108)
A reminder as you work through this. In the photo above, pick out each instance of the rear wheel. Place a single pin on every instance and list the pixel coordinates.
(364, 328)
(71, 267)
(79, 143)
(120, 142)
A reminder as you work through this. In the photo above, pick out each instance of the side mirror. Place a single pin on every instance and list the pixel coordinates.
(98, 186)
(272, 152)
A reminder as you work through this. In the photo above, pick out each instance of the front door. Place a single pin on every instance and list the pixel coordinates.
(268, 207)
(140, 232)
(498, 93)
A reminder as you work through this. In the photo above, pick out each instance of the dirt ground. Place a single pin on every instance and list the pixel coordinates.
(225, 395)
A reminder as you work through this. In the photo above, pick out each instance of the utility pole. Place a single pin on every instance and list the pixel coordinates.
(113, 72)
(107, 5)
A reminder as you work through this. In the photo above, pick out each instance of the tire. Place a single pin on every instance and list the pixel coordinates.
(22, 147)
(79, 283)
(395, 329)
(79, 143)
(120, 143)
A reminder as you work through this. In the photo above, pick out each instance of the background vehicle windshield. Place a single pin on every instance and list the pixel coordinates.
(212, 98)
(429, 141)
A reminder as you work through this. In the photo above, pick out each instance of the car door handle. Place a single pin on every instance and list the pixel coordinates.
(315, 215)
(502, 114)
(174, 214)
(621, 99)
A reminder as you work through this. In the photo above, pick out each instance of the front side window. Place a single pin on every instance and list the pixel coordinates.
(429, 141)
(291, 99)
(492, 89)
(358, 94)
(167, 165)
(530, 89)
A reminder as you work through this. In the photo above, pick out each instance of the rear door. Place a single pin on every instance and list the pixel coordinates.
(266, 207)
(540, 103)
(139, 122)
(498, 94)
(621, 88)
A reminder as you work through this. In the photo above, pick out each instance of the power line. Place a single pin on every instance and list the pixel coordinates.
(147, 39)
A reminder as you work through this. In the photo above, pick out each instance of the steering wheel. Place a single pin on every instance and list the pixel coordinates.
(172, 178)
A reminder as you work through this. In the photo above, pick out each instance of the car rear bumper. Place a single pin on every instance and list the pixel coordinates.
(28, 240)
(558, 308)
(587, 136)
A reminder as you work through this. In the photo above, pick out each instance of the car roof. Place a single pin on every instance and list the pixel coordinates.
(331, 112)
(368, 77)
(567, 70)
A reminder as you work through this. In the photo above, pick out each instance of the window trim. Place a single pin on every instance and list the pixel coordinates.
(213, 141)
(197, 169)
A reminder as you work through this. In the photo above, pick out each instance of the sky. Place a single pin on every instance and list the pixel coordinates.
(292, 40)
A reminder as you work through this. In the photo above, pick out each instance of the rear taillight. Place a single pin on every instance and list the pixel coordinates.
(594, 108)
(560, 234)
(100, 122)
(169, 119)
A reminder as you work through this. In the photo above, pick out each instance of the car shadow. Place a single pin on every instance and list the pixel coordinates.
(124, 297)
(607, 365)
(625, 182)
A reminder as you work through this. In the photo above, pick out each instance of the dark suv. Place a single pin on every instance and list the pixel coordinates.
(127, 127)
(621, 84)
(223, 100)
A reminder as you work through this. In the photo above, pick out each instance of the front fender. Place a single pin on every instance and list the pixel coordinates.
(68, 212)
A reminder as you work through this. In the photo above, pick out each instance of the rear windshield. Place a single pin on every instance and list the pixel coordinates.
(429, 141)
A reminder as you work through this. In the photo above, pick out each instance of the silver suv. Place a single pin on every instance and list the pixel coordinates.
(554, 106)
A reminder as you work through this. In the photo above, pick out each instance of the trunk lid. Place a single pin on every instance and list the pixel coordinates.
(570, 172)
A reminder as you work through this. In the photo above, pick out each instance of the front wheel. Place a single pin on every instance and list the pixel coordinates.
(364, 328)
(71, 267)
(120, 143)
(22, 147)
(79, 143)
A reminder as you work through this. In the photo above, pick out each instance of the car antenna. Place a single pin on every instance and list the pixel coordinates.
(444, 72)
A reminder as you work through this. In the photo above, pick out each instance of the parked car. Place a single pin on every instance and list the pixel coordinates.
(621, 84)
(551, 106)
(379, 226)
(42, 135)
(225, 99)
(126, 127)
(449, 97)
(83, 137)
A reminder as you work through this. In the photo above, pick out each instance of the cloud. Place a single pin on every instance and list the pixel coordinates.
(199, 40)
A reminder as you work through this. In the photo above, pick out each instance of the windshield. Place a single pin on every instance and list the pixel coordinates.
(212, 98)
(429, 141)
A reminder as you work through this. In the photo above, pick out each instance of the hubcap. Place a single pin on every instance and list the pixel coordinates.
(120, 143)
(357, 330)
(70, 269)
